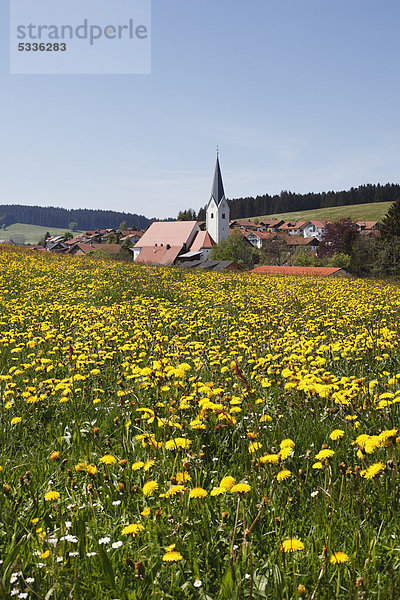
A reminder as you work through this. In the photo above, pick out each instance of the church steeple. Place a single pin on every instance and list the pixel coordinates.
(217, 191)
(217, 214)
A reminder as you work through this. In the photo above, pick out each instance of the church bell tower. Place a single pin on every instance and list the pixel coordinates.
(217, 214)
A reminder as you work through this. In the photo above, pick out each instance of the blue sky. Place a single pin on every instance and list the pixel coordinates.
(300, 95)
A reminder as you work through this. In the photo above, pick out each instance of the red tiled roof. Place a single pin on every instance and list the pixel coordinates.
(367, 224)
(158, 255)
(174, 233)
(202, 240)
(321, 271)
(320, 224)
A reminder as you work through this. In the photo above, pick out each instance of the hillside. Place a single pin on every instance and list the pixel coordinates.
(29, 234)
(374, 211)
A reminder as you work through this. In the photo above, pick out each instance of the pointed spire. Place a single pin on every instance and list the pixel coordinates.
(217, 191)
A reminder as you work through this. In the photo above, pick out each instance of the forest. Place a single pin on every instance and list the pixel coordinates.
(83, 218)
(241, 208)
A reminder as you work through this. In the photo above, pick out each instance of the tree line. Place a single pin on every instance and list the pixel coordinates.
(242, 208)
(84, 219)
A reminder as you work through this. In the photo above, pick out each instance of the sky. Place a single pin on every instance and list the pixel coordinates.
(299, 95)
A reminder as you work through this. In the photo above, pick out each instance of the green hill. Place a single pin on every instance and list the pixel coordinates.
(357, 212)
(29, 234)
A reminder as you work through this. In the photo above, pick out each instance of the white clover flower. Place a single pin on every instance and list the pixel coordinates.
(30, 579)
(59, 559)
(197, 583)
(69, 538)
(104, 540)
(73, 553)
(116, 502)
(117, 544)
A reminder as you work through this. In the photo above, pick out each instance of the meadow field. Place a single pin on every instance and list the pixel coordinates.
(374, 211)
(171, 435)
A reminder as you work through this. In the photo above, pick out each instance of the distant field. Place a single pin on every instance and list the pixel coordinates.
(31, 233)
(357, 212)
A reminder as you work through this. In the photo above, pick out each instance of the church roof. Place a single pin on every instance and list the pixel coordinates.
(173, 233)
(217, 191)
(202, 240)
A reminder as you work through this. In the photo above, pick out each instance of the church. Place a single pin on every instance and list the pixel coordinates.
(167, 243)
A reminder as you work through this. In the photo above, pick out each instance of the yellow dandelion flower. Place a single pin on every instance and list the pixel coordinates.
(265, 418)
(177, 443)
(148, 464)
(108, 459)
(240, 488)
(272, 459)
(338, 557)
(388, 433)
(287, 443)
(217, 491)
(182, 477)
(254, 447)
(317, 465)
(323, 454)
(337, 434)
(133, 529)
(146, 511)
(227, 482)
(137, 465)
(91, 469)
(55, 455)
(197, 492)
(373, 470)
(373, 442)
(285, 452)
(292, 545)
(15, 420)
(51, 496)
(45, 554)
(172, 556)
(149, 488)
(175, 489)
(282, 475)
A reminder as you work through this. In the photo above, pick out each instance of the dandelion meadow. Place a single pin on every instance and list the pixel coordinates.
(167, 434)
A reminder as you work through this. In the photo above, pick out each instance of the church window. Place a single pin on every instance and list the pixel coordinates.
(212, 215)
(223, 215)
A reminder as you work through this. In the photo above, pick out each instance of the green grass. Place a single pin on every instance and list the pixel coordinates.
(31, 233)
(114, 376)
(374, 211)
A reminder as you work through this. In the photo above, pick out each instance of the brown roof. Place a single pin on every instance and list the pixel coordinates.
(158, 255)
(202, 240)
(321, 271)
(174, 233)
(242, 223)
(292, 225)
(109, 248)
(263, 235)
